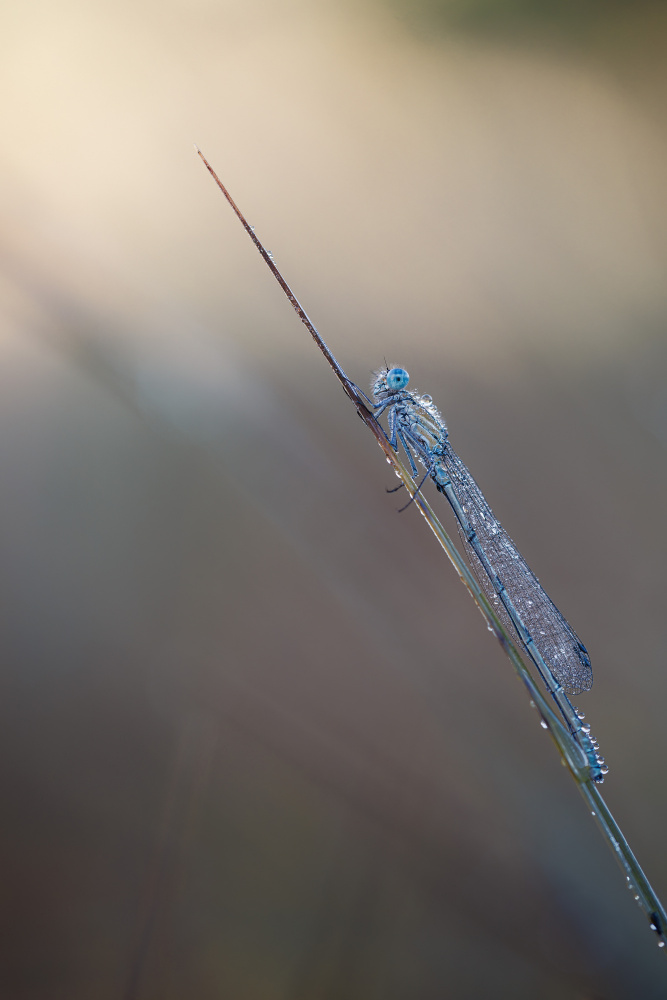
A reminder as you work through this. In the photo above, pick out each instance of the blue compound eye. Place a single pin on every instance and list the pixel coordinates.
(397, 378)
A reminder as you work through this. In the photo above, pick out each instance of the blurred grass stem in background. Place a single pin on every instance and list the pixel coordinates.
(572, 755)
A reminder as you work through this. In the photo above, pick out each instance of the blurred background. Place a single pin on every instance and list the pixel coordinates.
(257, 742)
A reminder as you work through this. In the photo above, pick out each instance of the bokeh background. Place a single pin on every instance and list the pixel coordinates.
(256, 740)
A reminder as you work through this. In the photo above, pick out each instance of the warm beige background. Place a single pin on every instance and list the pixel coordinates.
(257, 742)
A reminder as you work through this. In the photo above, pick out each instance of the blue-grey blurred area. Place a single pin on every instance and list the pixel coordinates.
(256, 740)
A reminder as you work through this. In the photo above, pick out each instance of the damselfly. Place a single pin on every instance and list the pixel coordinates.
(515, 593)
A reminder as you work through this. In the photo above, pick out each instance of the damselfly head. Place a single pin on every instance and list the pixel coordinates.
(389, 380)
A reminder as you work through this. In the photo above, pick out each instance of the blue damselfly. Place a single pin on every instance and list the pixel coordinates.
(515, 593)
